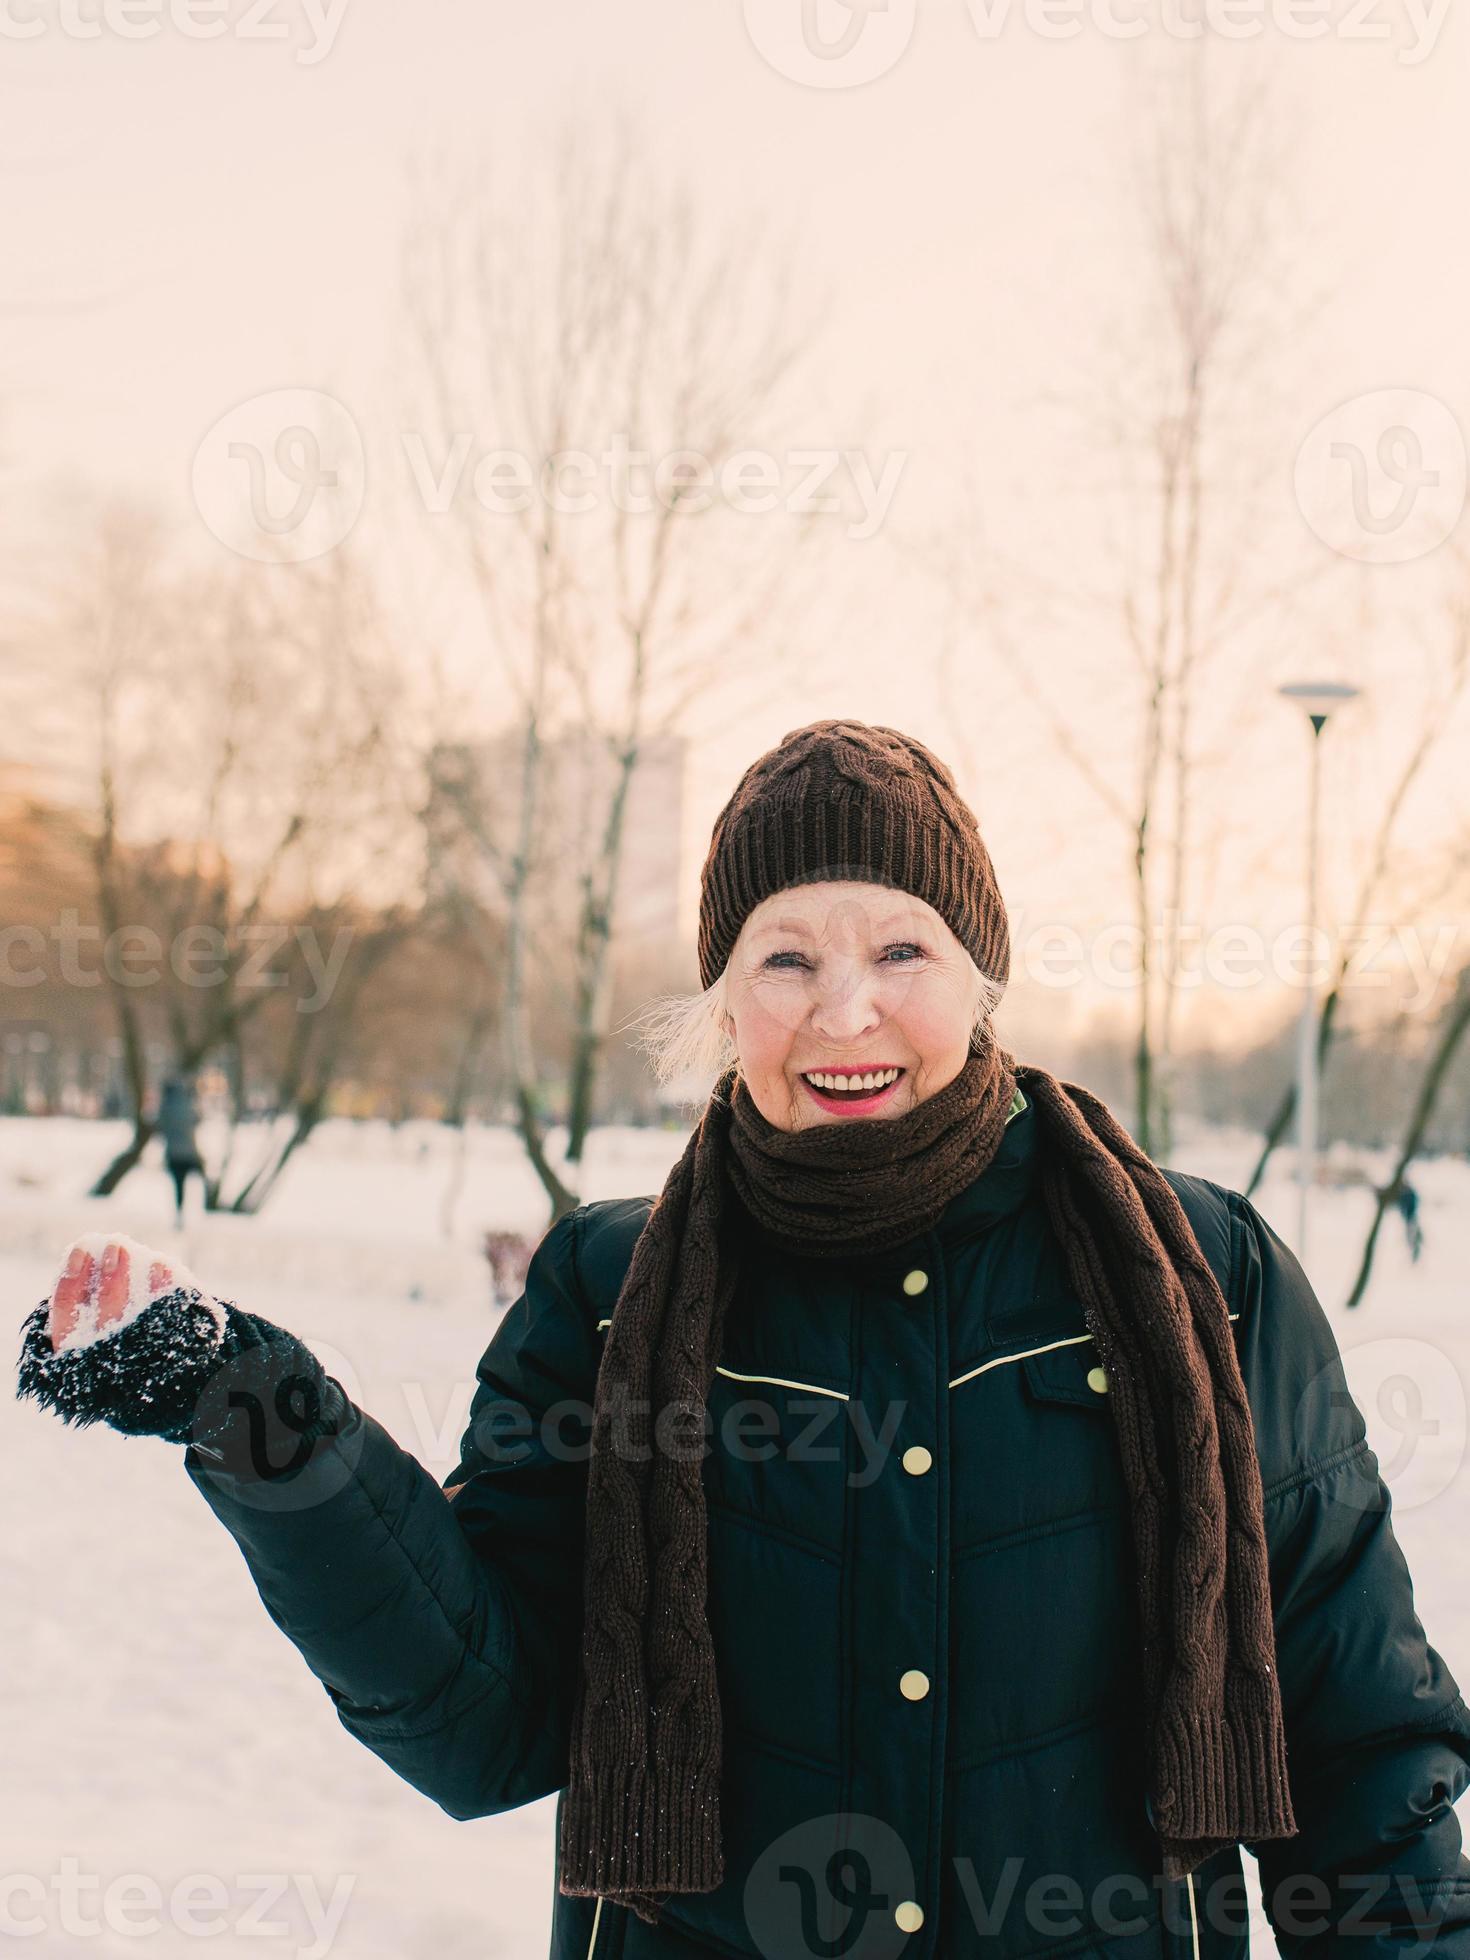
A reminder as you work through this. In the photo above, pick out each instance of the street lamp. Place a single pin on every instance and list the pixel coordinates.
(1317, 699)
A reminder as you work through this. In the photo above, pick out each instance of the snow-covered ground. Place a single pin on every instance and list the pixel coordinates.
(175, 1778)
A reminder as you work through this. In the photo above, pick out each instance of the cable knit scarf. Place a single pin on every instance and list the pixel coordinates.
(641, 1815)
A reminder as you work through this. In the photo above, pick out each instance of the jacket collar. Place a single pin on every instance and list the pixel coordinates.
(1000, 1188)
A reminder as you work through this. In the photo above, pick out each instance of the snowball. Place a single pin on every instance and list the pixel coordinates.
(141, 1259)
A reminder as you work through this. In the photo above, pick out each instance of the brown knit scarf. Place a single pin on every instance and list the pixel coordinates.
(641, 1815)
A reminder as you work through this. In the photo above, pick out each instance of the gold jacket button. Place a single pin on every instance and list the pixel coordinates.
(915, 1282)
(1098, 1378)
(909, 1914)
(917, 1460)
(913, 1685)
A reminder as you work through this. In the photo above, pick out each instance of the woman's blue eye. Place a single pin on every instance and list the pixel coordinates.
(902, 946)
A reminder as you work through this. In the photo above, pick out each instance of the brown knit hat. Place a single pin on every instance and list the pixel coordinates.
(851, 800)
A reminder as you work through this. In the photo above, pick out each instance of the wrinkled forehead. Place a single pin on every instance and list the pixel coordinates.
(836, 908)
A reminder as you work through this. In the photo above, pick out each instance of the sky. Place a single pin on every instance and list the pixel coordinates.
(190, 223)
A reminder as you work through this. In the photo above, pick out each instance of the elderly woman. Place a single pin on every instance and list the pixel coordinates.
(927, 1528)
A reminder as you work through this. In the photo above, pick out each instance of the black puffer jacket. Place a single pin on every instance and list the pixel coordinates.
(922, 1603)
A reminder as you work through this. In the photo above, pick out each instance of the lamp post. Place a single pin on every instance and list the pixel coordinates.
(1317, 699)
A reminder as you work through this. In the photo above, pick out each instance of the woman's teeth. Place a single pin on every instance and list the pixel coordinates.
(848, 1084)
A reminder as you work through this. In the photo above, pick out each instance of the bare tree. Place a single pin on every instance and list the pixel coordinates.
(308, 1054)
(1179, 434)
(109, 639)
(590, 314)
(1194, 412)
(227, 732)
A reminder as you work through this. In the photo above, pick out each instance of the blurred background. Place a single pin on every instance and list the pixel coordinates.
(439, 451)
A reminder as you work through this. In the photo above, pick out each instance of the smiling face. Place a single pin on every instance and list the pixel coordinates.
(848, 980)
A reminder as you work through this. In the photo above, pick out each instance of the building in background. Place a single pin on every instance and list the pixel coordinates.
(473, 823)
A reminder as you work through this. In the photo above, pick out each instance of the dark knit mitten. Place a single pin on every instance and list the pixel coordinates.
(247, 1393)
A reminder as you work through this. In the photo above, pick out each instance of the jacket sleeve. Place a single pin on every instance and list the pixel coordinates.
(1377, 1731)
(444, 1628)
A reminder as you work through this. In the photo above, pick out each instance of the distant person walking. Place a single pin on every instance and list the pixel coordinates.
(1407, 1205)
(177, 1117)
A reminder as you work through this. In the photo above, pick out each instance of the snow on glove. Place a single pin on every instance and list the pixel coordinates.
(130, 1338)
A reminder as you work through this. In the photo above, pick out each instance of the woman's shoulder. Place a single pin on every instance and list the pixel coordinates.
(1210, 1209)
(1253, 1263)
(1306, 1420)
(602, 1236)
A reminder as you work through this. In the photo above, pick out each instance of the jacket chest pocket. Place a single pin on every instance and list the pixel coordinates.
(1034, 1437)
(778, 1453)
(1066, 1369)
(1067, 1418)
(1069, 1405)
